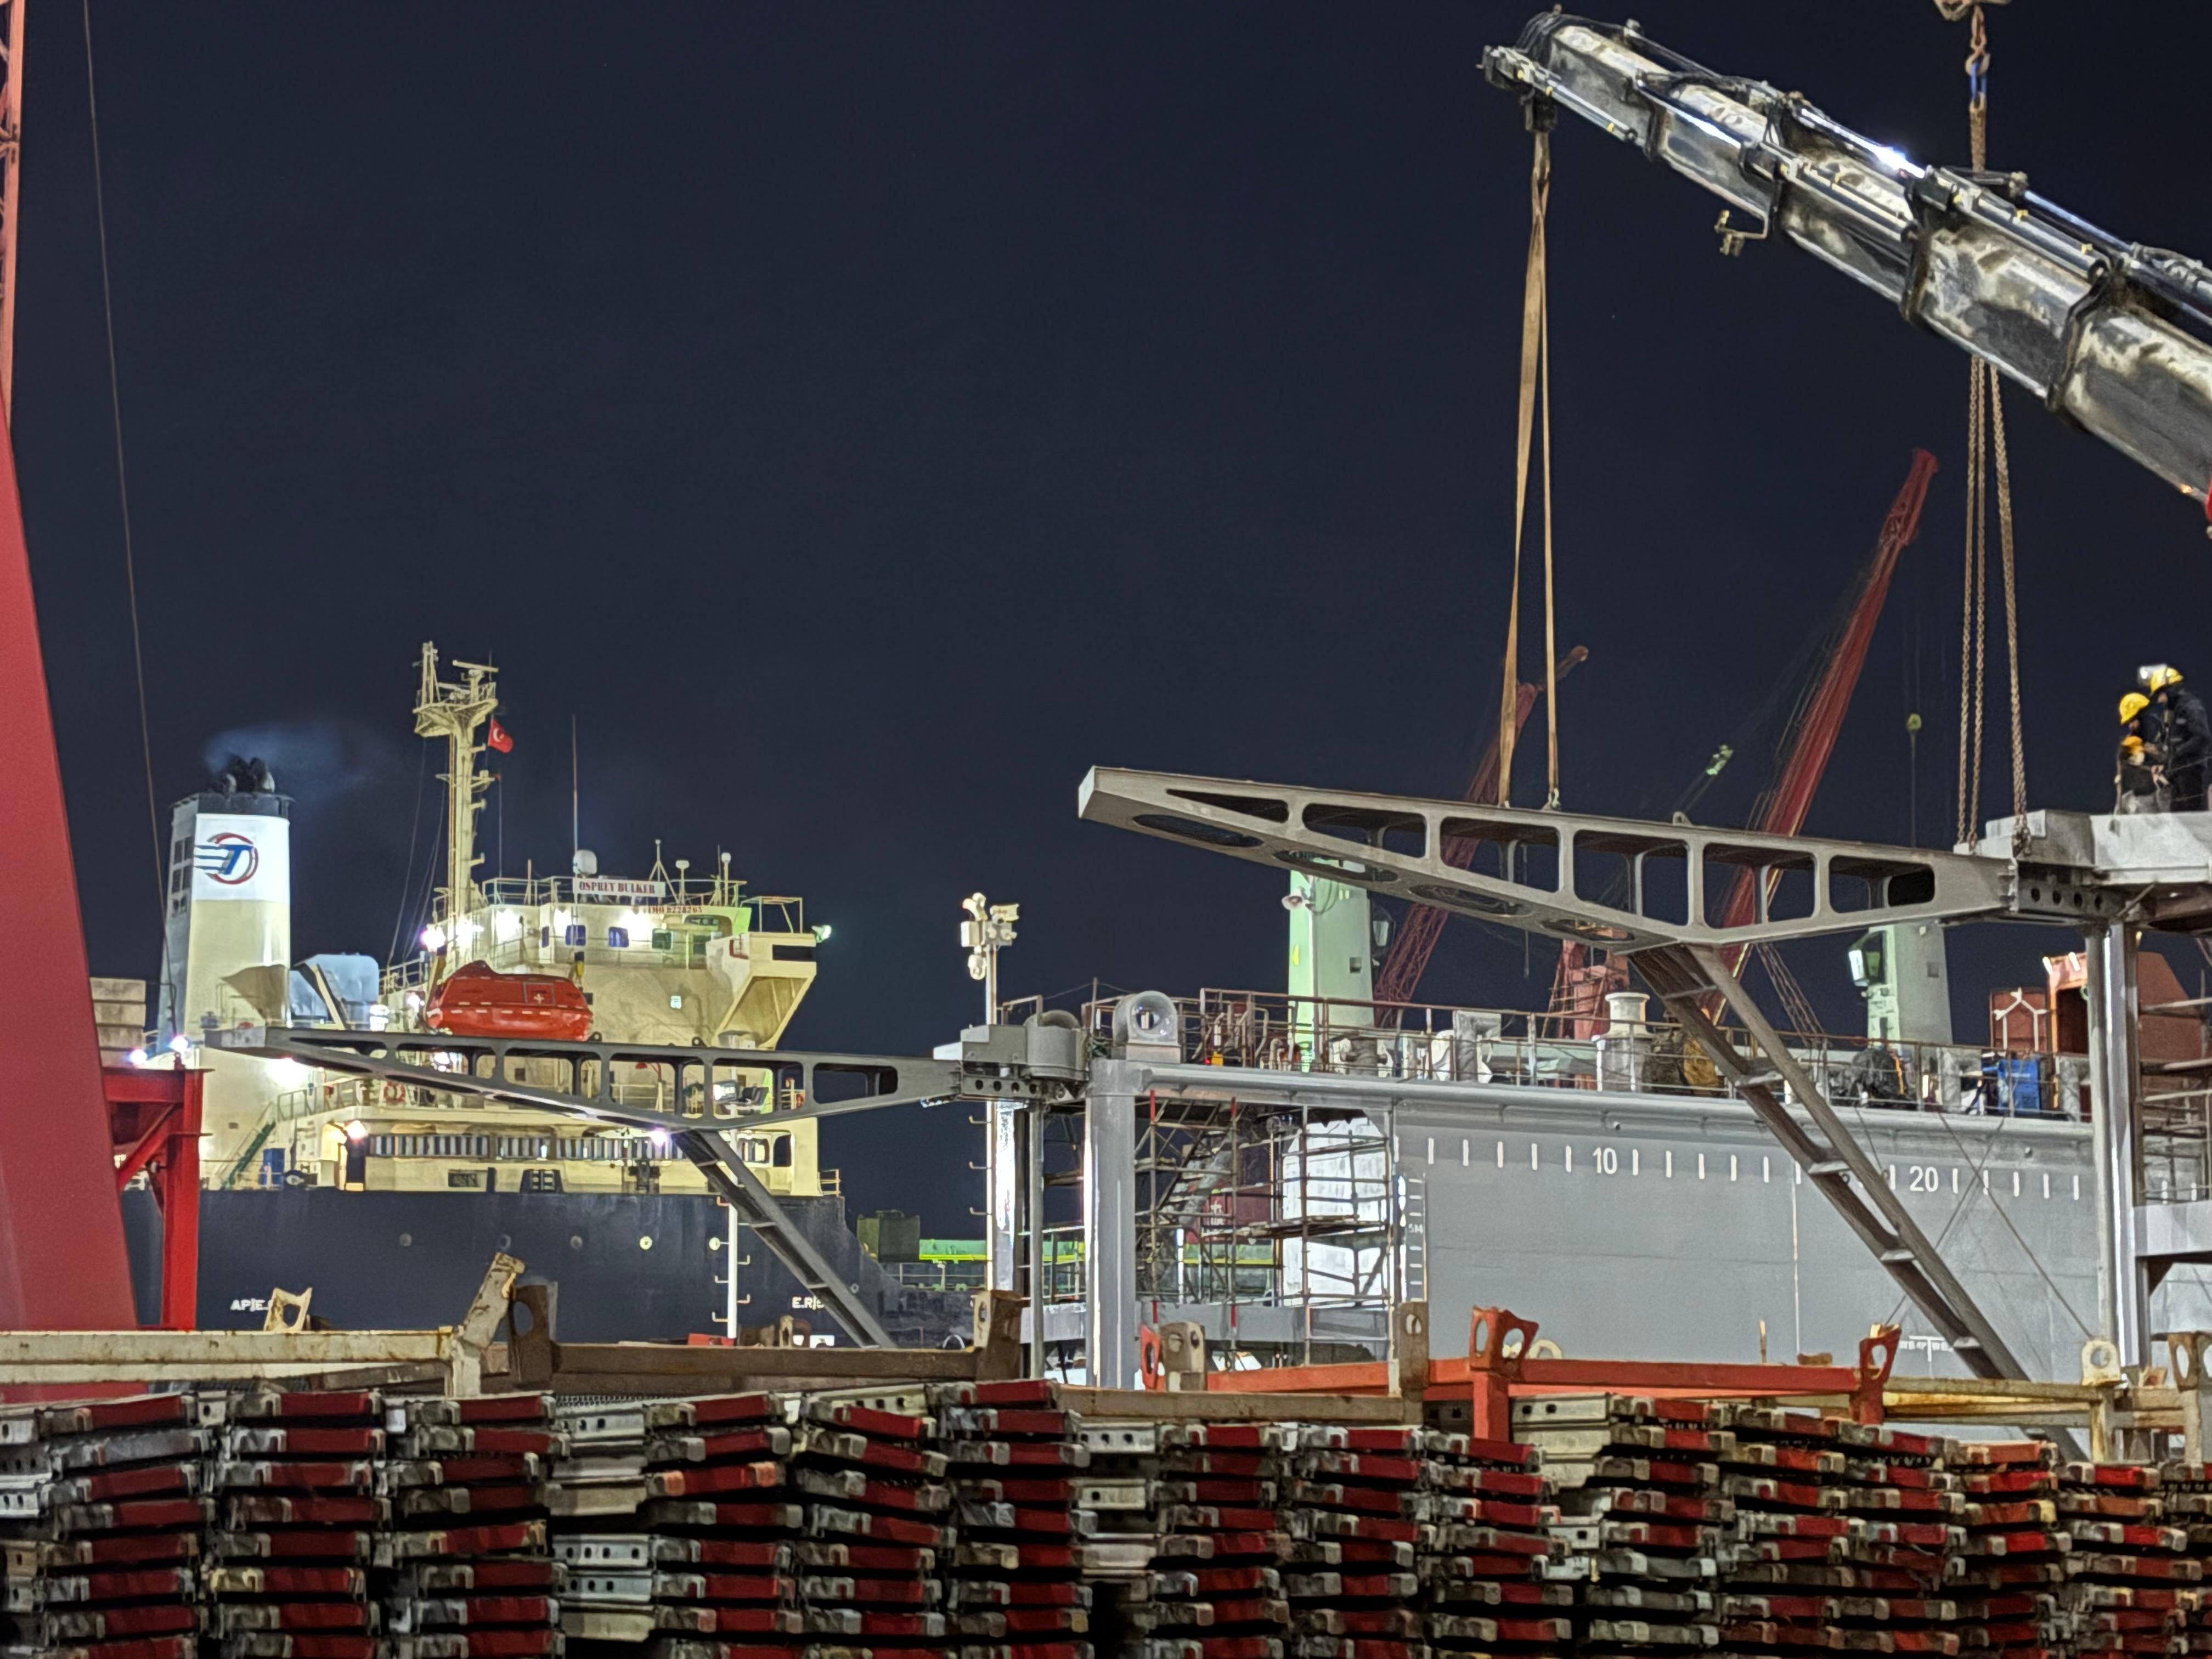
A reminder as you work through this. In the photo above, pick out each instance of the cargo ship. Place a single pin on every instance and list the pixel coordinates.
(387, 1201)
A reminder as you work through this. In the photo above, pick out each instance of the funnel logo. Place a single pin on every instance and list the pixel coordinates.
(228, 857)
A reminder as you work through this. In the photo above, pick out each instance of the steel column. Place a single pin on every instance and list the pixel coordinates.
(2123, 1311)
(1110, 1223)
(1033, 1216)
(1002, 1196)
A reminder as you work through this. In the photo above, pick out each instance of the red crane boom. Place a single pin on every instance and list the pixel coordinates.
(1818, 716)
(1399, 975)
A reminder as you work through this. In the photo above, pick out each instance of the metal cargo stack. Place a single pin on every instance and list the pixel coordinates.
(1644, 1525)
(1487, 1559)
(875, 1503)
(2129, 1575)
(103, 1516)
(1357, 1507)
(1216, 1587)
(302, 1525)
(721, 1529)
(2011, 1553)
(1014, 1575)
(473, 1576)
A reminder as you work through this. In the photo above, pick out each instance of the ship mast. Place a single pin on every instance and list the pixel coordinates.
(455, 710)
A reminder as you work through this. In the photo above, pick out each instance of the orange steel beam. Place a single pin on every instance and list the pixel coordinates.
(1498, 1368)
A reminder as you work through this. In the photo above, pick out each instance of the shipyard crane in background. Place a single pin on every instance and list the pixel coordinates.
(1808, 740)
(1399, 973)
(2114, 336)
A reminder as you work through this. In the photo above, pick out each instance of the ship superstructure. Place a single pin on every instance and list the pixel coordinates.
(663, 957)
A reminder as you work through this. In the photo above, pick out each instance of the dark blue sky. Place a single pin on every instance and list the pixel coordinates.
(865, 418)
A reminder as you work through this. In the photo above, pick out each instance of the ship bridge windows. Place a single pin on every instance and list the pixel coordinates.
(618, 938)
(537, 1148)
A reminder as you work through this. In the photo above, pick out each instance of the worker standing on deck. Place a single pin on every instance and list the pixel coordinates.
(2139, 784)
(2184, 730)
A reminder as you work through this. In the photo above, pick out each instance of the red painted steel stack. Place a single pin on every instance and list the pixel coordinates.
(2129, 1575)
(2009, 1554)
(725, 1527)
(1643, 1520)
(102, 1517)
(1486, 1559)
(876, 1504)
(1905, 1512)
(1868, 1555)
(302, 1524)
(2186, 1489)
(1015, 1587)
(474, 1579)
(1216, 1590)
(1356, 1512)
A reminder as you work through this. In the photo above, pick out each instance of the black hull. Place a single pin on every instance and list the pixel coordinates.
(410, 1261)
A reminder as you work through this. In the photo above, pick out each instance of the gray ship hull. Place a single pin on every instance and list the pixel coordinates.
(1647, 1226)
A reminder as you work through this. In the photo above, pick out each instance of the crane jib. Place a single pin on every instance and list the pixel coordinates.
(2114, 338)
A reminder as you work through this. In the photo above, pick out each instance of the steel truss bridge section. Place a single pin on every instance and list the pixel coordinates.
(1542, 870)
(1017, 1064)
(1394, 845)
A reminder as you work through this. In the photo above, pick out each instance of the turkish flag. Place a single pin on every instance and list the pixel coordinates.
(496, 737)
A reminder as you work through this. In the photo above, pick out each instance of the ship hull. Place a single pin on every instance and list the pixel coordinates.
(1653, 1227)
(629, 1267)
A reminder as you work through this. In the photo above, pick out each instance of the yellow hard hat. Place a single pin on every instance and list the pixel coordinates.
(2132, 705)
(2158, 675)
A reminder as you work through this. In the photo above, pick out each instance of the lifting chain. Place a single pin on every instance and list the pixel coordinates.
(1985, 444)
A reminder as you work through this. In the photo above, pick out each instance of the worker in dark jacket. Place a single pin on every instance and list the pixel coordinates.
(2187, 733)
(2139, 781)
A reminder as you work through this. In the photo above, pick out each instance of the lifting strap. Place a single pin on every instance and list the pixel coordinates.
(1536, 385)
(1985, 443)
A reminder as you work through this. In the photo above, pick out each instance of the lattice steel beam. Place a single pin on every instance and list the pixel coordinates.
(1537, 871)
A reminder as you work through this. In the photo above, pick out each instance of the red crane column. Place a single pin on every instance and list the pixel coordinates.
(62, 1261)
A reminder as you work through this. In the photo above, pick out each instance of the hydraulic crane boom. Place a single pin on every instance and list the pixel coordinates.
(2114, 336)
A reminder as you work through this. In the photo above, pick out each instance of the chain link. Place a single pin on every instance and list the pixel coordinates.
(1985, 443)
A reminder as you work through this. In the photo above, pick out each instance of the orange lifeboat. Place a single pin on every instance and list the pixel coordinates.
(479, 1001)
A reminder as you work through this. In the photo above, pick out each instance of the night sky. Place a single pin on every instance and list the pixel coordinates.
(864, 418)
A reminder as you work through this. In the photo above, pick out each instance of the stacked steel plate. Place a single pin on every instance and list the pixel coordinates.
(724, 1526)
(300, 1526)
(1015, 1461)
(2129, 1578)
(1115, 1496)
(473, 1578)
(102, 1514)
(597, 1489)
(1856, 1514)
(875, 1500)
(1906, 1512)
(2010, 1553)
(1644, 1523)
(1356, 1507)
(1488, 1560)
(1216, 1589)
(2186, 1492)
